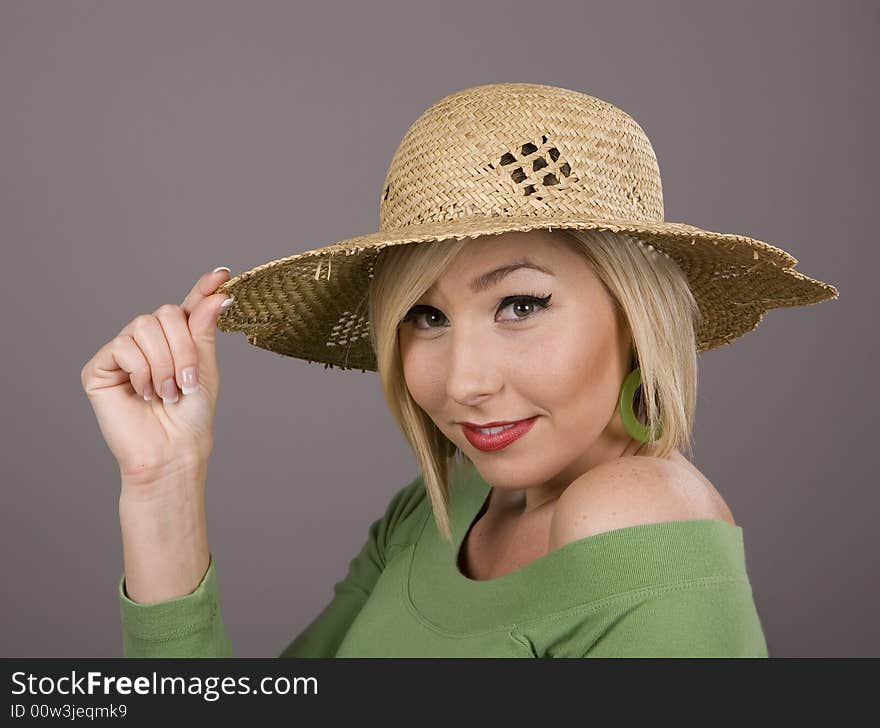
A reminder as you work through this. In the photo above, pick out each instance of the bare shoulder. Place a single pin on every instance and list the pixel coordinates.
(631, 491)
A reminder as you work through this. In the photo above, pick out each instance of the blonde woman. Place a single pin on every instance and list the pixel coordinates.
(535, 325)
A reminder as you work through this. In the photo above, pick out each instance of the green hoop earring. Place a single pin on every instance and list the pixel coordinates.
(636, 429)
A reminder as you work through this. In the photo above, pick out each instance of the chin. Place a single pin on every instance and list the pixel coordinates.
(510, 473)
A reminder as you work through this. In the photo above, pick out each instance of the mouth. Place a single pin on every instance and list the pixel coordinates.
(496, 435)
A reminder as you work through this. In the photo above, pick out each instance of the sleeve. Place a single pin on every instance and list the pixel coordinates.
(192, 626)
(697, 619)
(186, 626)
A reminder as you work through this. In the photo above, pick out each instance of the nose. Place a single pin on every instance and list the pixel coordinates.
(474, 373)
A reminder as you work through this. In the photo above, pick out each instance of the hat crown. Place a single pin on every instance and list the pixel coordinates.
(513, 149)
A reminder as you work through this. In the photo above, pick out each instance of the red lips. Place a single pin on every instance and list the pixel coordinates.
(488, 443)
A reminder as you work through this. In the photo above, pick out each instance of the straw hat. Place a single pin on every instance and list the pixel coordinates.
(503, 157)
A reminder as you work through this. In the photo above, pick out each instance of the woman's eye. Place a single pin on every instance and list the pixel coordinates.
(431, 314)
(523, 306)
(527, 304)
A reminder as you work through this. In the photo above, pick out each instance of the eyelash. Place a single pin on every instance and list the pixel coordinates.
(543, 303)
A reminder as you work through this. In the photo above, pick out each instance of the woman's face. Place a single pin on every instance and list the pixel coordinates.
(493, 353)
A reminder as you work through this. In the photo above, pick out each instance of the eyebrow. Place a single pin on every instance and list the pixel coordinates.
(493, 277)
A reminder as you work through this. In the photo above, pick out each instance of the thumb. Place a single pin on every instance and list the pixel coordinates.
(203, 328)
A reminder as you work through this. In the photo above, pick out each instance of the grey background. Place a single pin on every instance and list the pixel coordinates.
(143, 143)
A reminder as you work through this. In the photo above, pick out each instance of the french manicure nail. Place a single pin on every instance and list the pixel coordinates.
(190, 385)
(227, 303)
(169, 391)
(222, 267)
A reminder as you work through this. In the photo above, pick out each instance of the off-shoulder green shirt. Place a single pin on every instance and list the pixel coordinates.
(670, 589)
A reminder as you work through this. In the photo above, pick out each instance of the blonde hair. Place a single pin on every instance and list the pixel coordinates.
(648, 289)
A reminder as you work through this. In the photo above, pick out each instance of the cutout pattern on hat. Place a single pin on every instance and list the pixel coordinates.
(533, 167)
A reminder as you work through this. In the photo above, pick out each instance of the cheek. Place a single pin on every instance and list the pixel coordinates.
(424, 379)
(571, 368)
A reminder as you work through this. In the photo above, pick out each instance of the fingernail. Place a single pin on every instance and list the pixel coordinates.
(169, 391)
(190, 385)
(148, 392)
(227, 303)
(222, 267)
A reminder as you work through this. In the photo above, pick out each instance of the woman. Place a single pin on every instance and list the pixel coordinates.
(539, 356)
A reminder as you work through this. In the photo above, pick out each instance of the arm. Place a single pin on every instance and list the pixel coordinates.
(187, 626)
(707, 618)
(191, 625)
(168, 592)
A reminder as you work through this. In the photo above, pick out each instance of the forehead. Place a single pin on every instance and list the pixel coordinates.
(484, 255)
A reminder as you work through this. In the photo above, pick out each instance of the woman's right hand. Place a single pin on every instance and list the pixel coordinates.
(157, 438)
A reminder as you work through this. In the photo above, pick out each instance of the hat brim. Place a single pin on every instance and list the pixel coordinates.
(312, 305)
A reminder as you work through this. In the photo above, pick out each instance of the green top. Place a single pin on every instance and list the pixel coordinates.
(671, 589)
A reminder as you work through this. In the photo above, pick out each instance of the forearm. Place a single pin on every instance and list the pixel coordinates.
(164, 537)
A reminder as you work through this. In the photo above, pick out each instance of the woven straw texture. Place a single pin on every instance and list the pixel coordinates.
(509, 157)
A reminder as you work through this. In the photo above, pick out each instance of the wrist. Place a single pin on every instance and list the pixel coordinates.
(174, 483)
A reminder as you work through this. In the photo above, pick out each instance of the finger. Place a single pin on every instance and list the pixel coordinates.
(128, 357)
(204, 287)
(118, 361)
(183, 348)
(148, 334)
